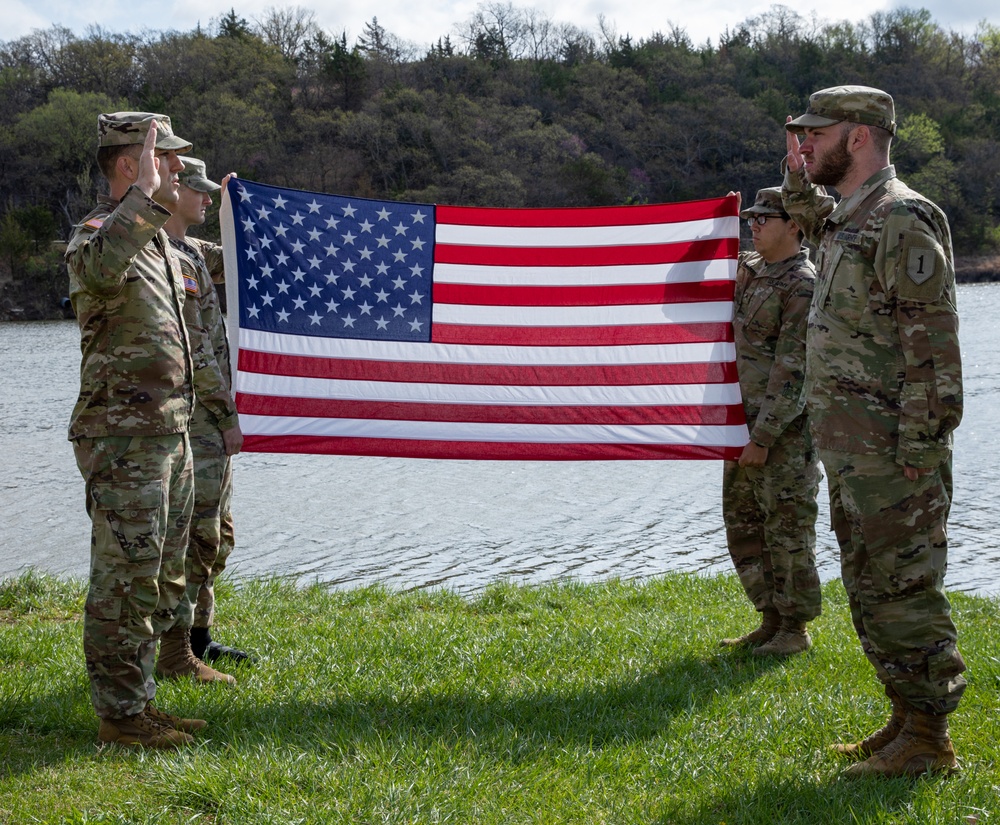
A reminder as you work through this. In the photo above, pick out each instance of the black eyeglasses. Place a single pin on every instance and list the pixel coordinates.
(762, 219)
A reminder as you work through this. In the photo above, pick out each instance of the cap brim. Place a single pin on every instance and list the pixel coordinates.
(759, 210)
(202, 185)
(807, 121)
(175, 143)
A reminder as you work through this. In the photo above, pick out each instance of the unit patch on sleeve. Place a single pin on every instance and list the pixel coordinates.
(920, 264)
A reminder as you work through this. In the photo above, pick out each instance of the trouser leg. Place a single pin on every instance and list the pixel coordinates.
(893, 541)
(138, 493)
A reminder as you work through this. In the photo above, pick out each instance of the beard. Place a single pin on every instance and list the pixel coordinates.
(833, 168)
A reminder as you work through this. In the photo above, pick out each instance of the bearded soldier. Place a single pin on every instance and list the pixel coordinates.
(884, 395)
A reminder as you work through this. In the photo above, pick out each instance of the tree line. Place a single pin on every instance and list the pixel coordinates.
(511, 109)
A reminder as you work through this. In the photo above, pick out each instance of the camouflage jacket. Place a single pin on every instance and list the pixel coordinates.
(883, 370)
(214, 407)
(127, 292)
(771, 306)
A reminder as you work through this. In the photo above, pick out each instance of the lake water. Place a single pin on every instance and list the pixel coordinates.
(457, 524)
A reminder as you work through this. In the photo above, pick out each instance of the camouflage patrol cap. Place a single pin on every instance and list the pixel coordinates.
(129, 128)
(767, 202)
(193, 176)
(858, 104)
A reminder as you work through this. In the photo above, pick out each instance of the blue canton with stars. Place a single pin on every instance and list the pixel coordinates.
(326, 265)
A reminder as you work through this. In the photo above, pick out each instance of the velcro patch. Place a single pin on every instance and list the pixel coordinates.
(848, 237)
(922, 270)
(190, 285)
(920, 263)
(94, 223)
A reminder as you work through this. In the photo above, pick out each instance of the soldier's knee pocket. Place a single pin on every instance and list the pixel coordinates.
(134, 513)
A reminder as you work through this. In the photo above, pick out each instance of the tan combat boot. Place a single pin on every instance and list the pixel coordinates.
(882, 737)
(175, 722)
(791, 638)
(176, 659)
(769, 623)
(143, 731)
(922, 746)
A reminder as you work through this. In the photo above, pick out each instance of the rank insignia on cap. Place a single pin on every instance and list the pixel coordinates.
(190, 285)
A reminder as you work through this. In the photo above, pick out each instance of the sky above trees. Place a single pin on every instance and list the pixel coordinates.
(423, 24)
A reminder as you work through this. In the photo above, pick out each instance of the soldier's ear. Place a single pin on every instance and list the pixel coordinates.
(127, 166)
(860, 135)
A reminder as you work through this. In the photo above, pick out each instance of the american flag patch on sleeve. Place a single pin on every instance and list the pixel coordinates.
(190, 284)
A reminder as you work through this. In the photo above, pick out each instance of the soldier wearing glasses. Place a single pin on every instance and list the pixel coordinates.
(769, 494)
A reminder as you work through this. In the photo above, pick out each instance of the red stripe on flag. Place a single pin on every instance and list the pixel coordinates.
(570, 296)
(714, 415)
(497, 451)
(589, 256)
(588, 216)
(303, 366)
(582, 336)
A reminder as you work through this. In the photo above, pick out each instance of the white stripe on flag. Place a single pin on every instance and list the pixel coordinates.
(405, 352)
(429, 393)
(583, 236)
(584, 316)
(713, 436)
(687, 272)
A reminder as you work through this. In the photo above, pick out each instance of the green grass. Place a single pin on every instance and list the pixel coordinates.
(564, 703)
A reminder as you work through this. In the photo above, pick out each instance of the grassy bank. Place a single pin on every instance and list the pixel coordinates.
(599, 703)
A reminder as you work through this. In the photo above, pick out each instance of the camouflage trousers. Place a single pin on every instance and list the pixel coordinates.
(893, 557)
(770, 517)
(212, 537)
(139, 495)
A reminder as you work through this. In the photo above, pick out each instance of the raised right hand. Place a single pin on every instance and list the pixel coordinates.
(148, 179)
(793, 159)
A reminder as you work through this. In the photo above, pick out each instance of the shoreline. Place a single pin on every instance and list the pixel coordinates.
(970, 271)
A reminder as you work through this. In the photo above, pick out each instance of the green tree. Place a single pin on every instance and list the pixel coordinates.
(340, 72)
(918, 139)
(15, 245)
(60, 137)
(32, 273)
(234, 27)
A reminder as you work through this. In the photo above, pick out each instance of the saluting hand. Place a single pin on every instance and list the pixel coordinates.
(794, 156)
(148, 179)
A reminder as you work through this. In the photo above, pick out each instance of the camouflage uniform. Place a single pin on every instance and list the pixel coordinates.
(884, 390)
(770, 511)
(129, 431)
(212, 535)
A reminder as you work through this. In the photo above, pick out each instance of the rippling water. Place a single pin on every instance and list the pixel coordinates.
(460, 524)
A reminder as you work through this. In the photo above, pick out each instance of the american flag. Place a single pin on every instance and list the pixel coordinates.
(417, 330)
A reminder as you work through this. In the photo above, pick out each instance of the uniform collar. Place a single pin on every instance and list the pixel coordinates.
(846, 207)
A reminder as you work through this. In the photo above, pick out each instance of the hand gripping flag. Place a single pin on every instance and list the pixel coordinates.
(364, 327)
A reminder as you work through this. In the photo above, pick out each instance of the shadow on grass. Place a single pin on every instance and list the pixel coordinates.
(509, 725)
(40, 727)
(796, 801)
